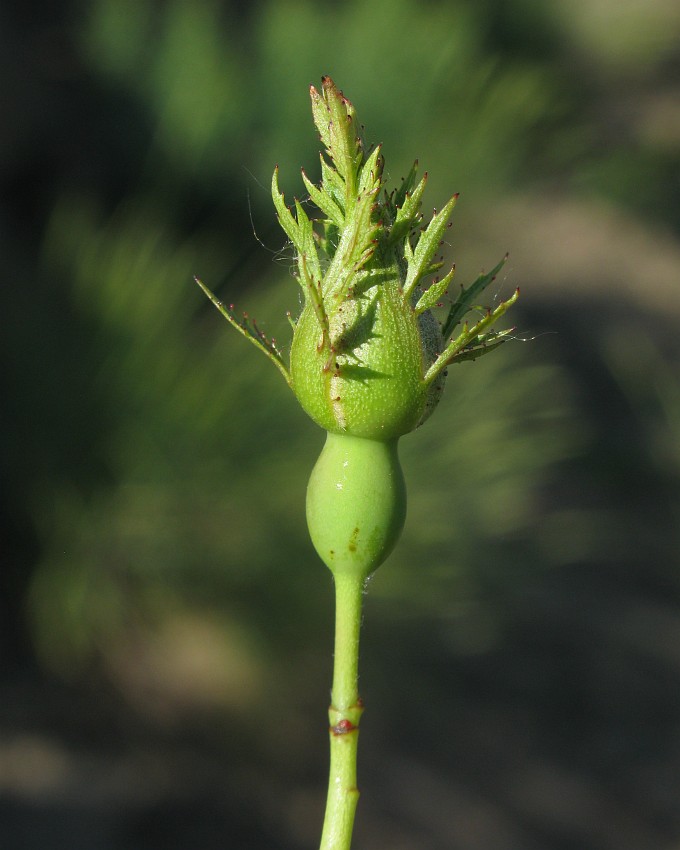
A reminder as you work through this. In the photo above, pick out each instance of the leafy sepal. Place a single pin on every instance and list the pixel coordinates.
(469, 339)
(434, 293)
(249, 329)
(428, 243)
(465, 301)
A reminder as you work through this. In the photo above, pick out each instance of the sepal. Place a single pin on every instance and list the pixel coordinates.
(428, 243)
(334, 117)
(407, 211)
(249, 329)
(434, 293)
(465, 301)
(471, 339)
(324, 202)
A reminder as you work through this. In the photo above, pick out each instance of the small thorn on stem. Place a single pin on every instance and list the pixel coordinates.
(343, 727)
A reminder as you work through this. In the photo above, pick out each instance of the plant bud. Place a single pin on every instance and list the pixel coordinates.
(368, 358)
(367, 380)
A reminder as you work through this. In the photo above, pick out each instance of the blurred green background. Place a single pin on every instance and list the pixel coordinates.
(165, 627)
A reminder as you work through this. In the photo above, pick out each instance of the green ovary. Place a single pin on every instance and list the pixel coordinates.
(356, 503)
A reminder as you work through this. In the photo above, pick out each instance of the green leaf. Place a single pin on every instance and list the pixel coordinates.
(248, 328)
(434, 293)
(314, 295)
(371, 172)
(460, 346)
(478, 351)
(408, 251)
(433, 268)
(465, 301)
(307, 244)
(284, 215)
(333, 183)
(427, 246)
(408, 212)
(324, 201)
(321, 116)
(334, 117)
(328, 241)
(406, 187)
(355, 248)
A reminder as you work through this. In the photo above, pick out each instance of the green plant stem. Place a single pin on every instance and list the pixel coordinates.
(344, 715)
